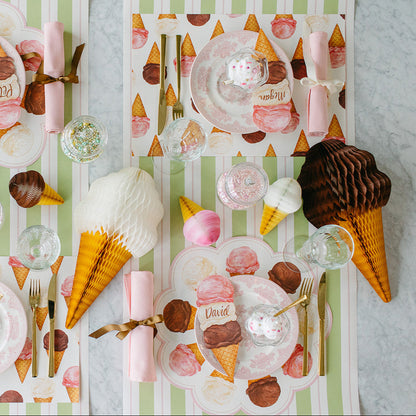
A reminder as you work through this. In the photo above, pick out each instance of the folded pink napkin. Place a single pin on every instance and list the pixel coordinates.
(139, 291)
(318, 95)
(54, 65)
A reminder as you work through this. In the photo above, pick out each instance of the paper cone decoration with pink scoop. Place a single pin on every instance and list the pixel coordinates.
(117, 219)
(342, 185)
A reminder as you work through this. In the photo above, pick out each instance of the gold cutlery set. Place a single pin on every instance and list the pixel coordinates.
(34, 301)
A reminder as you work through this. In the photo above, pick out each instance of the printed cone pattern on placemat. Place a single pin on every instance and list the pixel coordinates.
(41, 314)
(299, 50)
(302, 145)
(154, 55)
(218, 30)
(20, 273)
(252, 23)
(198, 355)
(22, 367)
(270, 218)
(263, 45)
(227, 357)
(42, 400)
(191, 323)
(170, 96)
(155, 148)
(56, 266)
(283, 16)
(167, 16)
(73, 394)
(188, 208)
(270, 151)
(187, 48)
(58, 355)
(137, 109)
(336, 39)
(334, 129)
(137, 22)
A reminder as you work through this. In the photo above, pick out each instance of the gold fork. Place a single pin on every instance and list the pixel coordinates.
(306, 289)
(34, 300)
(178, 107)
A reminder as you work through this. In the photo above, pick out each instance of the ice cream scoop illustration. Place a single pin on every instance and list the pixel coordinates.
(283, 26)
(71, 381)
(202, 227)
(298, 61)
(218, 320)
(263, 392)
(242, 260)
(117, 219)
(140, 123)
(188, 56)
(152, 68)
(20, 271)
(186, 360)
(24, 360)
(61, 344)
(139, 32)
(342, 185)
(286, 275)
(179, 315)
(336, 46)
(282, 198)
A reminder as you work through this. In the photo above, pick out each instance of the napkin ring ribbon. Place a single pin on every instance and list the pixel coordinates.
(332, 85)
(124, 329)
(72, 77)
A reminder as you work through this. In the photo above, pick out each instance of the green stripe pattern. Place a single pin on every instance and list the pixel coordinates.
(300, 6)
(4, 409)
(331, 6)
(146, 6)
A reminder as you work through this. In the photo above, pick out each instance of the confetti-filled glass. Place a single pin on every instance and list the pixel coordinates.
(84, 139)
(38, 247)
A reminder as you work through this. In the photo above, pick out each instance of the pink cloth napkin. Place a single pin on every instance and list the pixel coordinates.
(139, 291)
(54, 65)
(318, 96)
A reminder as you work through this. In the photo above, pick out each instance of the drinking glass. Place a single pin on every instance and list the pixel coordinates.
(38, 247)
(329, 247)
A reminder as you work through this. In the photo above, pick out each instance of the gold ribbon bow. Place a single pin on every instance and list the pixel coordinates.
(125, 328)
(72, 77)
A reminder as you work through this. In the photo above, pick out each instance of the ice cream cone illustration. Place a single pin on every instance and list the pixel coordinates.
(336, 38)
(298, 62)
(20, 271)
(252, 23)
(187, 48)
(66, 289)
(61, 344)
(140, 123)
(139, 32)
(356, 207)
(334, 130)
(218, 30)
(155, 148)
(302, 145)
(186, 360)
(282, 198)
(151, 71)
(24, 360)
(283, 26)
(198, 355)
(239, 154)
(43, 390)
(188, 208)
(30, 189)
(117, 219)
(188, 56)
(220, 141)
(227, 357)
(170, 96)
(137, 22)
(56, 266)
(270, 151)
(71, 382)
(179, 315)
(167, 23)
(263, 45)
(298, 54)
(154, 55)
(336, 45)
(41, 314)
(137, 108)
(167, 16)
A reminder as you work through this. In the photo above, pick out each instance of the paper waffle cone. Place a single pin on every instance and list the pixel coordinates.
(137, 22)
(41, 314)
(252, 23)
(334, 129)
(263, 45)
(369, 253)
(100, 258)
(218, 30)
(42, 400)
(257, 379)
(239, 154)
(58, 355)
(283, 16)
(188, 208)
(20, 273)
(4, 131)
(155, 148)
(2, 53)
(73, 394)
(167, 16)
(198, 355)
(216, 373)
(170, 96)
(227, 357)
(137, 108)
(270, 151)
(192, 318)
(336, 39)
(270, 218)
(187, 48)
(56, 266)
(22, 367)
(67, 300)
(50, 197)
(302, 145)
(154, 55)
(299, 50)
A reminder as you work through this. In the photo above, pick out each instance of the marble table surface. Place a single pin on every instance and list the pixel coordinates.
(385, 123)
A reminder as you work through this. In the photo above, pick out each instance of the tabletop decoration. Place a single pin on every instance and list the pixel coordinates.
(283, 197)
(354, 204)
(117, 219)
(202, 226)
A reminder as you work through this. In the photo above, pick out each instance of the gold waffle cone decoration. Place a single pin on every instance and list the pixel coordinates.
(270, 218)
(58, 355)
(137, 109)
(270, 151)
(283, 16)
(198, 354)
(50, 197)
(342, 185)
(216, 373)
(334, 129)
(155, 148)
(73, 394)
(302, 145)
(227, 357)
(336, 39)
(187, 48)
(218, 30)
(299, 50)
(369, 252)
(41, 314)
(56, 266)
(154, 55)
(263, 45)
(167, 16)
(252, 23)
(100, 258)
(2, 53)
(137, 22)
(188, 208)
(20, 273)
(22, 367)
(170, 96)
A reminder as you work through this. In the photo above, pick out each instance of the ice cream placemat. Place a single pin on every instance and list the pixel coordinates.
(236, 123)
(19, 391)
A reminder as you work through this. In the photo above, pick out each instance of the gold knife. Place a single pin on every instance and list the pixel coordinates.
(321, 312)
(161, 120)
(51, 308)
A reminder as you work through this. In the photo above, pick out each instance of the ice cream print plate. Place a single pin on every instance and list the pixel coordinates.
(254, 361)
(238, 273)
(226, 106)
